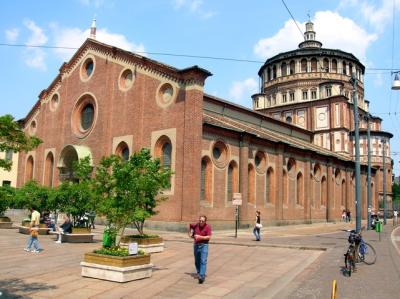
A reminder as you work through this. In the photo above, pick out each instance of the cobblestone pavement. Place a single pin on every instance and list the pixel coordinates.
(290, 262)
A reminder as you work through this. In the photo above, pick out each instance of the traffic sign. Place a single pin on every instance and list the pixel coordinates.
(237, 199)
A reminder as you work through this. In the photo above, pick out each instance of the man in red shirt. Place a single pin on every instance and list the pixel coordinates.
(201, 232)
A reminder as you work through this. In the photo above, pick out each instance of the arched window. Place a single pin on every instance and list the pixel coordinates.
(326, 65)
(292, 68)
(343, 195)
(29, 169)
(304, 65)
(334, 66)
(268, 74)
(163, 150)
(123, 151)
(270, 186)
(300, 189)
(285, 188)
(274, 72)
(251, 182)
(284, 69)
(314, 63)
(344, 68)
(324, 194)
(232, 182)
(205, 184)
(48, 170)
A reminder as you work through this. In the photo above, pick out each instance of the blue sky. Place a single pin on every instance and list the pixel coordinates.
(248, 30)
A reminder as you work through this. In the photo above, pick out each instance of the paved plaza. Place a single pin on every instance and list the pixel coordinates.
(290, 262)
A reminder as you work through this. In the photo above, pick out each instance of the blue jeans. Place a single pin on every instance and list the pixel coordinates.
(34, 242)
(256, 232)
(200, 259)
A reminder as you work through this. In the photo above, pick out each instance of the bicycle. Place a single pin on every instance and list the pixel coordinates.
(358, 251)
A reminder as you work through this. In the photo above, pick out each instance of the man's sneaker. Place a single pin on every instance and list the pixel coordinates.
(201, 280)
(27, 249)
(58, 241)
(35, 251)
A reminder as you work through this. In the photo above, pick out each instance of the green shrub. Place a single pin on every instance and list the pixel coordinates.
(115, 251)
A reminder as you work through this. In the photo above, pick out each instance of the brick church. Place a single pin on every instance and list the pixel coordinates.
(291, 156)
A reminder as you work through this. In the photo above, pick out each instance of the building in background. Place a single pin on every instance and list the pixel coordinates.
(9, 178)
(109, 101)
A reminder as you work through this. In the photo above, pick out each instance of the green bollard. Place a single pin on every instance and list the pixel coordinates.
(378, 228)
(106, 239)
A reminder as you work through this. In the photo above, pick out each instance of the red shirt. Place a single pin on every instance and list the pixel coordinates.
(202, 231)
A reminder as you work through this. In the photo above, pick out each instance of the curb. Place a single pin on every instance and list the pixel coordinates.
(393, 239)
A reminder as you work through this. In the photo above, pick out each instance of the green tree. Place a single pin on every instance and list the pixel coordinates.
(6, 195)
(129, 191)
(13, 138)
(33, 195)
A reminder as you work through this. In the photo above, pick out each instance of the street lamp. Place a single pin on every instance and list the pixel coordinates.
(396, 81)
(384, 181)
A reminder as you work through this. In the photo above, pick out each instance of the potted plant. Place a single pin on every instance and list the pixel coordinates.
(6, 193)
(124, 188)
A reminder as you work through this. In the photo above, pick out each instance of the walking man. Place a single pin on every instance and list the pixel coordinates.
(34, 232)
(201, 233)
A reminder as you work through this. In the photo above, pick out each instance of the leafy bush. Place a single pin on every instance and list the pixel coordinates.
(6, 195)
(115, 251)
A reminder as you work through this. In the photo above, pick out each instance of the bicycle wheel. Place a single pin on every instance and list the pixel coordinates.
(347, 264)
(369, 257)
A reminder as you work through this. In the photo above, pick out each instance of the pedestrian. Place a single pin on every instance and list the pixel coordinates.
(395, 217)
(34, 232)
(201, 233)
(344, 216)
(257, 226)
(65, 228)
(348, 214)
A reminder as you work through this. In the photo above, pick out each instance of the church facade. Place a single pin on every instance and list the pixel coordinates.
(109, 101)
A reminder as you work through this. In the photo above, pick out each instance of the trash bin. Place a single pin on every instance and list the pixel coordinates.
(106, 239)
(378, 226)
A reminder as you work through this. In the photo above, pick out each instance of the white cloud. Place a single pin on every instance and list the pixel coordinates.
(35, 57)
(377, 16)
(242, 90)
(95, 3)
(333, 30)
(194, 6)
(12, 35)
(74, 38)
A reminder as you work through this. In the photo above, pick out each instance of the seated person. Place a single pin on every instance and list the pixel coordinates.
(65, 228)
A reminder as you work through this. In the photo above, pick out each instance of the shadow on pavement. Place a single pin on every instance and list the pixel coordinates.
(12, 288)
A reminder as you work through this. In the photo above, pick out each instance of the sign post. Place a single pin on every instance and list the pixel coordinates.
(236, 201)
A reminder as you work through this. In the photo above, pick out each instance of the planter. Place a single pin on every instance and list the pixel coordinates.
(5, 222)
(26, 223)
(148, 245)
(116, 268)
(81, 230)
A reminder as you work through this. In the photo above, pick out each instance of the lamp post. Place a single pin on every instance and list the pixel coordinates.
(357, 153)
(369, 174)
(384, 181)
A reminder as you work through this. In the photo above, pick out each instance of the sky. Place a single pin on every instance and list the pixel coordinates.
(252, 30)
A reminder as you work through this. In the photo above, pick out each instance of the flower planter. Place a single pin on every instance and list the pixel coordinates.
(81, 230)
(148, 245)
(5, 222)
(116, 268)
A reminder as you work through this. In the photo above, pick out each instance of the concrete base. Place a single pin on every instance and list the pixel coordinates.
(118, 274)
(149, 248)
(26, 230)
(5, 225)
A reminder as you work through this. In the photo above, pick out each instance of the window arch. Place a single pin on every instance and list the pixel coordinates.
(251, 182)
(123, 151)
(334, 66)
(274, 72)
(291, 165)
(300, 189)
(232, 182)
(29, 169)
(314, 67)
(344, 68)
(163, 150)
(270, 186)
(292, 68)
(283, 69)
(48, 170)
(326, 65)
(205, 185)
(323, 192)
(304, 65)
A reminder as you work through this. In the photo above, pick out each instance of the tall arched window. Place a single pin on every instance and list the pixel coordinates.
(270, 186)
(300, 189)
(343, 195)
(304, 65)
(29, 169)
(163, 150)
(344, 68)
(314, 63)
(274, 72)
(123, 151)
(251, 182)
(324, 194)
(292, 68)
(284, 69)
(326, 65)
(48, 170)
(232, 181)
(334, 66)
(205, 184)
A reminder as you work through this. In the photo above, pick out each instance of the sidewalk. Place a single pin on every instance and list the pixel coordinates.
(237, 268)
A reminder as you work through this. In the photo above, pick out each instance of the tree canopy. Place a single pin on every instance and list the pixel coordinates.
(13, 138)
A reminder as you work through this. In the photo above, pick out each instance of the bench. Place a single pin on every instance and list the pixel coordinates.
(75, 238)
(26, 230)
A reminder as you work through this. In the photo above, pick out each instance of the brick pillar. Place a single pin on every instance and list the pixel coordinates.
(307, 189)
(243, 177)
(331, 193)
(349, 200)
(279, 183)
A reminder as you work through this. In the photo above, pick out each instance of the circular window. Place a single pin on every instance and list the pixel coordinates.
(126, 79)
(55, 100)
(87, 69)
(165, 95)
(260, 161)
(84, 116)
(220, 154)
(321, 116)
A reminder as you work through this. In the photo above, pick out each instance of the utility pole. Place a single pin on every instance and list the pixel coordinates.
(357, 152)
(384, 181)
(369, 173)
